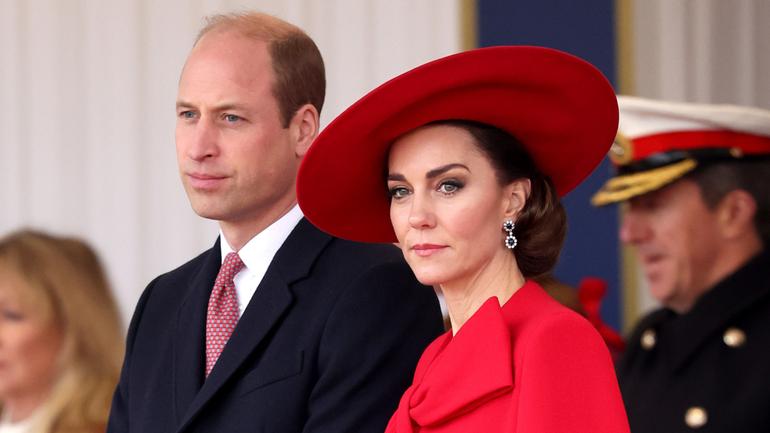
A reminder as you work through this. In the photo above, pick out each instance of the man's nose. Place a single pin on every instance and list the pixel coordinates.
(634, 228)
(203, 141)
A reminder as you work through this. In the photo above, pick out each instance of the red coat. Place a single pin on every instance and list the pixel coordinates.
(531, 366)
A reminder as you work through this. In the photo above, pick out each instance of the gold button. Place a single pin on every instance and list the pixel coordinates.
(622, 150)
(734, 337)
(696, 417)
(648, 339)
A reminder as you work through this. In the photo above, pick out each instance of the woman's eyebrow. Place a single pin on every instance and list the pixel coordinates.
(430, 174)
(443, 169)
(396, 176)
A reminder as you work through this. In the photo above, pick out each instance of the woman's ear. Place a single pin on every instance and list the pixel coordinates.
(516, 196)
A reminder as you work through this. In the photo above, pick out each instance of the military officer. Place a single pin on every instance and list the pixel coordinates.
(696, 180)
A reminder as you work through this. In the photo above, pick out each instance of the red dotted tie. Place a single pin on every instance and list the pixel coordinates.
(222, 314)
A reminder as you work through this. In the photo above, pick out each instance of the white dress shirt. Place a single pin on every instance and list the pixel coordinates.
(258, 253)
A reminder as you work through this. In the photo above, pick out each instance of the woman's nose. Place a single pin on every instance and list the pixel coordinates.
(421, 214)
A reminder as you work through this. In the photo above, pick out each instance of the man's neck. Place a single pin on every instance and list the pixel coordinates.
(239, 233)
(734, 256)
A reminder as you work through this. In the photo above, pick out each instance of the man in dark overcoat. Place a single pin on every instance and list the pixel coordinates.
(278, 327)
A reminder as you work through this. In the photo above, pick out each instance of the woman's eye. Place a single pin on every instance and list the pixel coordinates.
(449, 187)
(12, 315)
(399, 192)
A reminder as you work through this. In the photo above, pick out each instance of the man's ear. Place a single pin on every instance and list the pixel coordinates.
(304, 128)
(735, 214)
(516, 196)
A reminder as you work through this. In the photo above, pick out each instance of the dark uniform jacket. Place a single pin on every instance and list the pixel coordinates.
(707, 370)
(327, 344)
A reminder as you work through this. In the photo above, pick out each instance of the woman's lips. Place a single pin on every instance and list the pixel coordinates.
(426, 250)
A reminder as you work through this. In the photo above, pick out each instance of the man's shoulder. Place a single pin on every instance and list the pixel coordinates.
(345, 269)
(166, 286)
(365, 252)
(352, 260)
(653, 318)
(190, 267)
(309, 250)
(646, 326)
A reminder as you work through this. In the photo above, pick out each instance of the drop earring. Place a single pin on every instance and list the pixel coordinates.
(510, 240)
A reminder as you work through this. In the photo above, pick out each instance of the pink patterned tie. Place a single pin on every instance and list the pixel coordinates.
(222, 314)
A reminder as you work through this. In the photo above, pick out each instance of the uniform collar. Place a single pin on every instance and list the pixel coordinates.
(718, 307)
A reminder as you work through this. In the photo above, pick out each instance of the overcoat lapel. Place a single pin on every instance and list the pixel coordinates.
(189, 336)
(273, 297)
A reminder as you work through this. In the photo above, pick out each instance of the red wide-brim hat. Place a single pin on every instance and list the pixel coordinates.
(560, 107)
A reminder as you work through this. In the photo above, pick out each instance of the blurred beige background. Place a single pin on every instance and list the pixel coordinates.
(87, 94)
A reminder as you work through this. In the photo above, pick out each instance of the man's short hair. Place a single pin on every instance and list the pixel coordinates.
(296, 60)
(717, 179)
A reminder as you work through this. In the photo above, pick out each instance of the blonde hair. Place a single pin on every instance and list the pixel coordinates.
(297, 63)
(66, 281)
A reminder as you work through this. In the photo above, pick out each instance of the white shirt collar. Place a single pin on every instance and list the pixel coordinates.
(258, 253)
(262, 247)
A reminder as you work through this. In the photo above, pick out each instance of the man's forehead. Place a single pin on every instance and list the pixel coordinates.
(679, 192)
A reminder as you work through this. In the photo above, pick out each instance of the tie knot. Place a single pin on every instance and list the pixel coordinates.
(230, 267)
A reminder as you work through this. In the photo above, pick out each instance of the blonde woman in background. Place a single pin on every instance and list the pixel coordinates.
(60, 336)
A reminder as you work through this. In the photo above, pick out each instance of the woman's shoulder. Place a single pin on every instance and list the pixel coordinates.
(546, 320)
(561, 322)
(564, 367)
(536, 310)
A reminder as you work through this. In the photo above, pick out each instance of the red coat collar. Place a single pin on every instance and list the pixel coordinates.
(458, 374)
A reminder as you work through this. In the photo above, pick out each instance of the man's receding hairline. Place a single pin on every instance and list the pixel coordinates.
(253, 25)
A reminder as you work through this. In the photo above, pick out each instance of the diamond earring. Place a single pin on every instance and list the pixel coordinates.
(510, 240)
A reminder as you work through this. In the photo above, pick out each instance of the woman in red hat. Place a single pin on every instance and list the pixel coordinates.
(462, 161)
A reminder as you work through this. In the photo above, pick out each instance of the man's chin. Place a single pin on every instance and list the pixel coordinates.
(660, 291)
(208, 211)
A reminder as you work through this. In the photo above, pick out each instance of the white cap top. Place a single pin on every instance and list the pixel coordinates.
(641, 117)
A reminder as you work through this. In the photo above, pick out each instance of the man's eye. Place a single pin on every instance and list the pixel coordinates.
(399, 192)
(187, 114)
(231, 118)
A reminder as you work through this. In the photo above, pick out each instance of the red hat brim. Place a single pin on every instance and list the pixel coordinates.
(560, 107)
